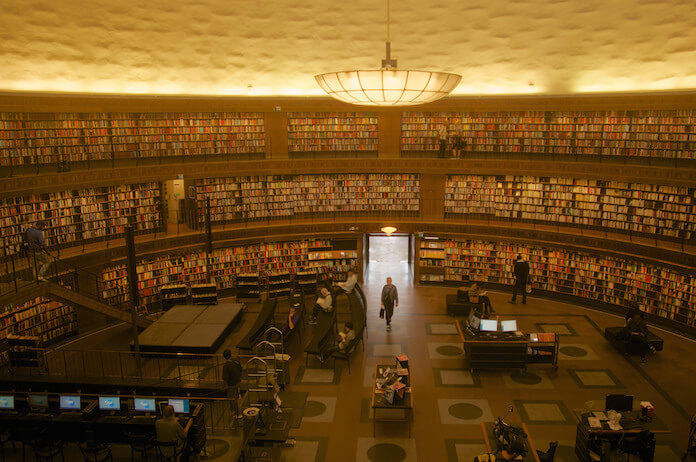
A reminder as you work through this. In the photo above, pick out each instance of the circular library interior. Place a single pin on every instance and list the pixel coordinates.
(213, 255)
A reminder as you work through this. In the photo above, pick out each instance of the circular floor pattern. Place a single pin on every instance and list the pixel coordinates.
(465, 411)
(386, 452)
(573, 351)
(314, 408)
(526, 378)
(216, 447)
(449, 350)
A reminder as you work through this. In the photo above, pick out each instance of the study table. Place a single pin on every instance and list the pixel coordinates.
(505, 351)
(588, 438)
(380, 405)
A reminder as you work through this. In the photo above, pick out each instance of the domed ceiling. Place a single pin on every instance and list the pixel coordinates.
(214, 47)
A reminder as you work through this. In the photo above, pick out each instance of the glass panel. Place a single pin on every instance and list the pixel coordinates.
(371, 80)
(349, 80)
(417, 80)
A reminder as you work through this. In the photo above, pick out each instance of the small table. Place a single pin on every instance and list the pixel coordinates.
(488, 436)
(380, 403)
(631, 422)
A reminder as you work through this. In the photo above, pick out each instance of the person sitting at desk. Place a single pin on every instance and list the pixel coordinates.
(344, 340)
(512, 451)
(323, 303)
(168, 428)
(636, 332)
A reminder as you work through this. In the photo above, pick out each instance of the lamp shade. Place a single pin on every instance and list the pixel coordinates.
(388, 87)
(388, 230)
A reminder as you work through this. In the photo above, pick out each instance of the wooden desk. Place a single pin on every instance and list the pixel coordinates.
(379, 402)
(489, 436)
(497, 352)
(586, 436)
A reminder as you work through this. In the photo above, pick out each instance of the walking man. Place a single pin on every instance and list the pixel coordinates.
(38, 251)
(521, 277)
(390, 299)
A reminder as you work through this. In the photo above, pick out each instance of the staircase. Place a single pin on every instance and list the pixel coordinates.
(68, 284)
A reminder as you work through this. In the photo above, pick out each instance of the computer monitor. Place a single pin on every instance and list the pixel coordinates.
(144, 404)
(489, 325)
(508, 325)
(109, 403)
(70, 402)
(37, 401)
(619, 403)
(181, 406)
(7, 402)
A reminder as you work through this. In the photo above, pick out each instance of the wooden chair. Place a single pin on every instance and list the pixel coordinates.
(47, 450)
(140, 444)
(169, 451)
(93, 451)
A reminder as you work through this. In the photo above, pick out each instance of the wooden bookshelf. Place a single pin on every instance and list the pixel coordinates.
(277, 262)
(48, 138)
(80, 215)
(332, 131)
(262, 197)
(44, 319)
(668, 212)
(662, 290)
(659, 133)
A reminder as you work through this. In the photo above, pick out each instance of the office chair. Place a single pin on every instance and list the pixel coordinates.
(169, 451)
(47, 451)
(140, 444)
(93, 451)
(550, 452)
(642, 445)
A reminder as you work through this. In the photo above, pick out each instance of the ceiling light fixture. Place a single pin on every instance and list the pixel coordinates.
(388, 86)
(388, 230)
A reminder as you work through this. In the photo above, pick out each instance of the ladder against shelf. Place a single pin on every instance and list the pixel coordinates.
(658, 133)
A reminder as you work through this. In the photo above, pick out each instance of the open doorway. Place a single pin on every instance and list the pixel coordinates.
(388, 256)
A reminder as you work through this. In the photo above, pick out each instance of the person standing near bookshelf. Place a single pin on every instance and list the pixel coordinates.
(390, 299)
(521, 278)
(458, 141)
(442, 137)
(38, 252)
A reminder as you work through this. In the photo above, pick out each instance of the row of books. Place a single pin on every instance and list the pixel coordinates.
(658, 289)
(226, 265)
(236, 198)
(75, 215)
(40, 317)
(332, 131)
(663, 210)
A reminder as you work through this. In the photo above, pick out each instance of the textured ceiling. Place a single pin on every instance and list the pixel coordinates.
(233, 47)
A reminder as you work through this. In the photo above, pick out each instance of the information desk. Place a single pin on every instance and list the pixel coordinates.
(383, 411)
(588, 438)
(492, 445)
(497, 351)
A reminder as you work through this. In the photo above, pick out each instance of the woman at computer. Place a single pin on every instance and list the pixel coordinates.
(170, 430)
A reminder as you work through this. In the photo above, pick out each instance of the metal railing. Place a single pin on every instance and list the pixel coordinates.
(175, 369)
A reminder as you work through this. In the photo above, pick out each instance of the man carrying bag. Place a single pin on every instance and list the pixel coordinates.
(390, 299)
